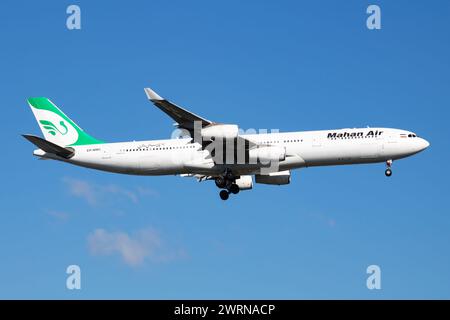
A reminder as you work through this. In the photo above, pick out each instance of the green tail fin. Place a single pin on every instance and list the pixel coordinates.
(56, 126)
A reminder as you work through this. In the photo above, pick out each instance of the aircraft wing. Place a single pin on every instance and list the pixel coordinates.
(184, 119)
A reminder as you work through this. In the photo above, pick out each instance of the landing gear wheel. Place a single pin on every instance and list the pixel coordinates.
(234, 188)
(220, 182)
(224, 194)
(388, 172)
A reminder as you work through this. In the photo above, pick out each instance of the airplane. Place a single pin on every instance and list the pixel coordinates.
(216, 151)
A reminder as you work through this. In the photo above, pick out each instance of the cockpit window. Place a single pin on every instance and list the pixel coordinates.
(412, 135)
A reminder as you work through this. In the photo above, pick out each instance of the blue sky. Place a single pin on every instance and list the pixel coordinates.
(288, 65)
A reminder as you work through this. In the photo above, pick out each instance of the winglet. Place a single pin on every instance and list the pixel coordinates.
(152, 95)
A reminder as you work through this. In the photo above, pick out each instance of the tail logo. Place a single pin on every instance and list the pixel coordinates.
(52, 129)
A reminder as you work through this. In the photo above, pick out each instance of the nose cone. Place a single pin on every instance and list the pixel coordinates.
(422, 144)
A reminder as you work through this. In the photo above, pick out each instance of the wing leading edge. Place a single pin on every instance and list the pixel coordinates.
(184, 119)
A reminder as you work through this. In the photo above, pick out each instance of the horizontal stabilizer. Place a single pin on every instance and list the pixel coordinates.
(50, 147)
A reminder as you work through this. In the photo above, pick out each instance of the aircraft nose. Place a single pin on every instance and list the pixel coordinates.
(423, 144)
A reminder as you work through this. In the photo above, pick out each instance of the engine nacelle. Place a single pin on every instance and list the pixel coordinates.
(267, 154)
(245, 182)
(220, 131)
(278, 178)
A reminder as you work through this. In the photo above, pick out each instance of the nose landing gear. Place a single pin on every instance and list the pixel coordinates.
(388, 171)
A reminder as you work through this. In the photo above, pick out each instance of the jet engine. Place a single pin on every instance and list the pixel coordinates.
(220, 131)
(245, 182)
(278, 178)
(267, 154)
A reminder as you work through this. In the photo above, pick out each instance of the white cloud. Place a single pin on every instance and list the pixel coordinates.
(116, 190)
(59, 215)
(94, 194)
(134, 249)
(81, 189)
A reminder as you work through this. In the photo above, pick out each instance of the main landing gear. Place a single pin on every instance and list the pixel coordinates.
(224, 194)
(227, 181)
(388, 171)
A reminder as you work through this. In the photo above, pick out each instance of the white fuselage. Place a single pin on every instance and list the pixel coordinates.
(303, 149)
